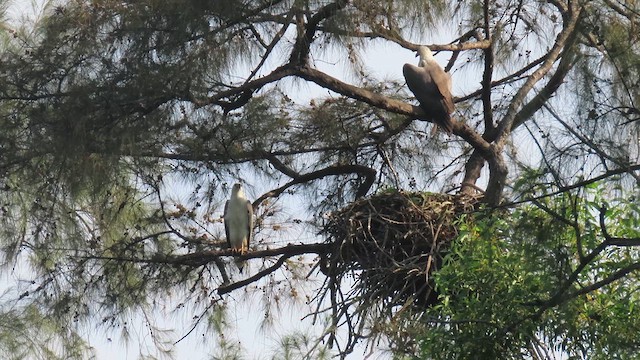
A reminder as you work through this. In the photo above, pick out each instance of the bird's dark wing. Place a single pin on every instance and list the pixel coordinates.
(442, 80)
(226, 226)
(422, 84)
(250, 224)
(425, 90)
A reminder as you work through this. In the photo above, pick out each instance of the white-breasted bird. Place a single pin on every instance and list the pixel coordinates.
(431, 85)
(238, 222)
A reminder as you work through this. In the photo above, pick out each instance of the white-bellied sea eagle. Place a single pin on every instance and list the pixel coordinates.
(238, 222)
(431, 85)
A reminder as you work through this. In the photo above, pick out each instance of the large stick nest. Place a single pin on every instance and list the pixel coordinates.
(396, 240)
(390, 244)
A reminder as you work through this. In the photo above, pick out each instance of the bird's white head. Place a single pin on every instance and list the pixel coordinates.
(237, 190)
(424, 53)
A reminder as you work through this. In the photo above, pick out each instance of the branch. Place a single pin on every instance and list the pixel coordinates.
(483, 44)
(364, 95)
(292, 250)
(381, 32)
(389, 104)
(497, 168)
(505, 126)
(606, 281)
(488, 73)
(579, 184)
(368, 173)
(203, 257)
(268, 49)
(611, 240)
(277, 74)
(506, 79)
(498, 172)
(588, 142)
(560, 297)
(237, 285)
(289, 250)
(300, 52)
(566, 64)
(280, 166)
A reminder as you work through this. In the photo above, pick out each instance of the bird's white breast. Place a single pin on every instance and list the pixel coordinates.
(238, 222)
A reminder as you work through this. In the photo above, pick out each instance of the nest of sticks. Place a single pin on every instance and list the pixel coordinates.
(386, 249)
(393, 242)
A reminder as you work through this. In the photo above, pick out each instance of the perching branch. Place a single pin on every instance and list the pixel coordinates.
(204, 257)
(383, 102)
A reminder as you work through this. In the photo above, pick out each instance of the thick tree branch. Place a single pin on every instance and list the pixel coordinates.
(472, 171)
(383, 102)
(497, 167)
(354, 92)
(612, 240)
(482, 44)
(497, 177)
(277, 74)
(306, 33)
(561, 296)
(280, 166)
(606, 281)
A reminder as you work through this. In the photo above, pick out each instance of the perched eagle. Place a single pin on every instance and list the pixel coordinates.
(431, 85)
(238, 222)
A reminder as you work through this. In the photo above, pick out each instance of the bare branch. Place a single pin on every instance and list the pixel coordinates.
(277, 74)
(280, 166)
(269, 48)
(259, 275)
(300, 52)
(368, 173)
(566, 64)
(506, 124)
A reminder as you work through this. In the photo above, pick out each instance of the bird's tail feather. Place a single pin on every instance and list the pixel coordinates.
(240, 264)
